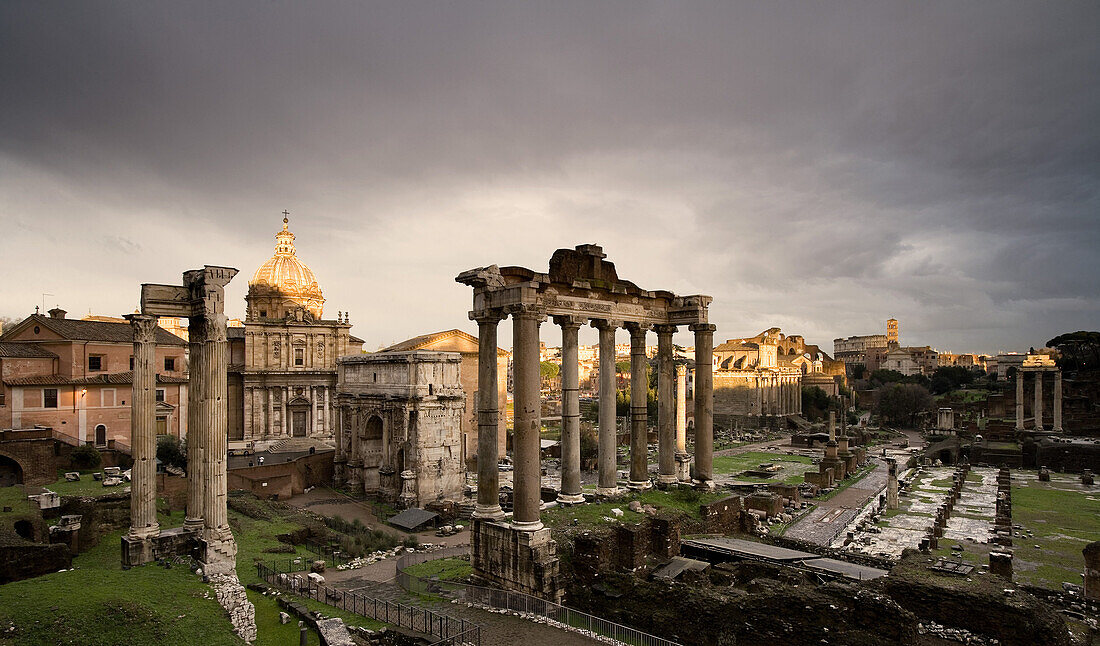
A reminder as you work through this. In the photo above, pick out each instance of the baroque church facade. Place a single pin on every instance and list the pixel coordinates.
(283, 361)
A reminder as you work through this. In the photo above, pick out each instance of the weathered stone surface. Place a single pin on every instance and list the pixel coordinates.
(519, 560)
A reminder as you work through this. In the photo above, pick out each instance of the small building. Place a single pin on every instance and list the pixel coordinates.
(75, 376)
(400, 426)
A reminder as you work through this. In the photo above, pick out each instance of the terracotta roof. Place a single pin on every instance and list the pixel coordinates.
(419, 342)
(114, 378)
(733, 346)
(25, 351)
(77, 330)
(355, 339)
(234, 333)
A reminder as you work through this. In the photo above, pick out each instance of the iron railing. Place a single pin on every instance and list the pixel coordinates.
(563, 616)
(450, 631)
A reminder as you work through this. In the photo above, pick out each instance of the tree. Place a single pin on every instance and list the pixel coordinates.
(548, 369)
(1077, 350)
(948, 378)
(86, 457)
(884, 376)
(901, 403)
(171, 451)
(858, 370)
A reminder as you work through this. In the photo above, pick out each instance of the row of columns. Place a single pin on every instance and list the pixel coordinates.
(778, 394)
(526, 475)
(1037, 406)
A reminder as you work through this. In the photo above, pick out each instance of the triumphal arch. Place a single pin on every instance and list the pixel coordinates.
(580, 288)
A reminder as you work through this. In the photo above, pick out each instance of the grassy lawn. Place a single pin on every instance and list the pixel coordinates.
(1062, 522)
(86, 486)
(684, 500)
(447, 569)
(793, 466)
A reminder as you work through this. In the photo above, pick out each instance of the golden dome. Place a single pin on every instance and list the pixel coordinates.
(284, 275)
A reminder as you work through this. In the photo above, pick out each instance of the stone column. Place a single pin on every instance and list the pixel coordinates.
(681, 409)
(891, 483)
(488, 413)
(527, 475)
(1057, 401)
(570, 492)
(666, 427)
(1038, 400)
(285, 397)
(143, 428)
(639, 398)
(608, 438)
(1092, 570)
(1019, 399)
(355, 461)
(704, 401)
(832, 426)
(197, 421)
(213, 376)
(760, 397)
(327, 421)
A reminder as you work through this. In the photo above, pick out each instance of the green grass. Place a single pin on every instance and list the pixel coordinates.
(97, 603)
(1062, 523)
(677, 499)
(448, 569)
(85, 487)
(726, 464)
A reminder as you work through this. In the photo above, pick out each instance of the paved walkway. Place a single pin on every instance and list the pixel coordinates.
(829, 519)
(496, 629)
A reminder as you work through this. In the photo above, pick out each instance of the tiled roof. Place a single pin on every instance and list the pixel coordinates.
(114, 378)
(234, 332)
(24, 351)
(355, 339)
(418, 342)
(77, 330)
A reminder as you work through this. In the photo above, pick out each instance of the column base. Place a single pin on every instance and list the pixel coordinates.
(527, 526)
(192, 524)
(607, 492)
(488, 512)
(704, 485)
(141, 533)
(639, 486)
(570, 499)
(667, 479)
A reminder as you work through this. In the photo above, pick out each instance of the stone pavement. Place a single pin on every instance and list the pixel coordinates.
(830, 518)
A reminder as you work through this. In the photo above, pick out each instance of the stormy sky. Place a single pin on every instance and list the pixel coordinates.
(815, 166)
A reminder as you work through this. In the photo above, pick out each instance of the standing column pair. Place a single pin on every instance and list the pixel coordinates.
(488, 417)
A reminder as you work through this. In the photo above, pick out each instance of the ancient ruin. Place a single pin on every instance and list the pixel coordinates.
(580, 288)
(400, 418)
(206, 531)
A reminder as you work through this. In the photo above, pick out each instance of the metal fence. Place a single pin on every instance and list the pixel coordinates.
(451, 631)
(515, 601)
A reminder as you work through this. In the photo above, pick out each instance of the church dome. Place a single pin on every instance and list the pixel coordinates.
(284, 281)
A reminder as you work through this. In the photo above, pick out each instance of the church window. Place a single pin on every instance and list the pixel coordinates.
(299, 357)
(131, 362)
(49, 398)
(160, 394)
(95, 363)
(169, 364)
(263, 314)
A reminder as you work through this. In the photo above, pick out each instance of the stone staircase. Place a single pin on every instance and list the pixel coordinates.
(297, 445)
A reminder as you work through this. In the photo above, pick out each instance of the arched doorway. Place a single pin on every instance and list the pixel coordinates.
(10, 472)
(100, 435)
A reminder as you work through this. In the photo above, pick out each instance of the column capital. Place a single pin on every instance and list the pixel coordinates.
(569, 321)
(702, 327)
(665, 328)
(526, 310)
(487, 317)
(637, 330)
(681, 370)
(144, 326)
(604, 324)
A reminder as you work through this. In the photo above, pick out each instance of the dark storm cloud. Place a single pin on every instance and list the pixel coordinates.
(816, 166)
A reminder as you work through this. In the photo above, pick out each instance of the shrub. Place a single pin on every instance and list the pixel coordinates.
(171, 451)
(86, 457)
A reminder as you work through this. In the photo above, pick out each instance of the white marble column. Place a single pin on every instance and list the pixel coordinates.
(704, 402)
(1019, 399)
(1057, 401)
(143, 428)
(608, 434)
(570, 492)
(526, 379)
(488, 413)
(1038, 400)
(666, 409)
(215, 515)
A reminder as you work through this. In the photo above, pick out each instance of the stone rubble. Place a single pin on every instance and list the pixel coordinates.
(231, 596)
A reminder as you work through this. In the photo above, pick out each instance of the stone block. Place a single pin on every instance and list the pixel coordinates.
(72, 476)
(769, 503)
(665, 537)
(631, 546)
(1000, 563)
(722, 516)
(517, 560)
